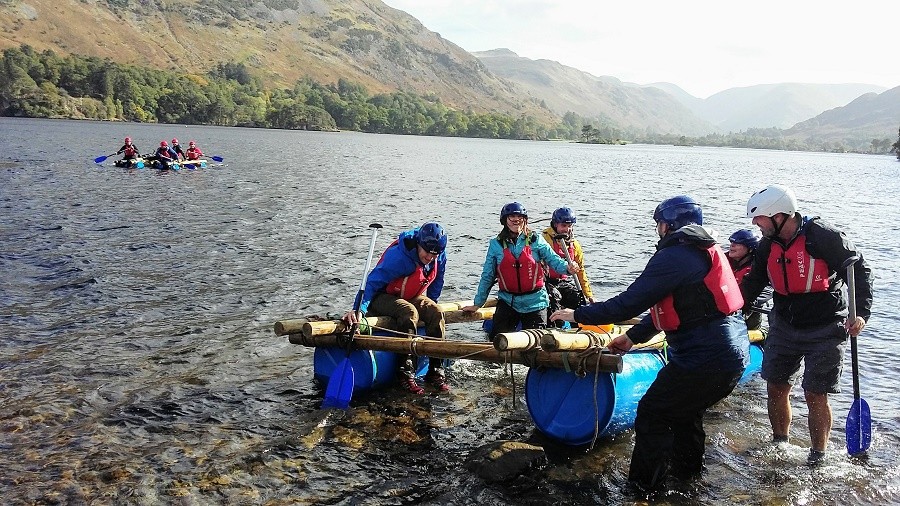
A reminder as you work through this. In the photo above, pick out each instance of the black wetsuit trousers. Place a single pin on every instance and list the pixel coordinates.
(668, 428)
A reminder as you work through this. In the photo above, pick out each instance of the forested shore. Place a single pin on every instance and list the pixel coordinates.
(46, 85)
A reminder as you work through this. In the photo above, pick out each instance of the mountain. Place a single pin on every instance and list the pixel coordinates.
(871, 116)
(364, 41)
(768, 105)
(565, 89)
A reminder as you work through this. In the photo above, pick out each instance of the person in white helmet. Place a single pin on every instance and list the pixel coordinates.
(803, 258)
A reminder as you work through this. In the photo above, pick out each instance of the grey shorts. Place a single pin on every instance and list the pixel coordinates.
(821, 349)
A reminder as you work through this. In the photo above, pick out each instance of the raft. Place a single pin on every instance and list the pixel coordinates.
(134, 163)
(574, 390)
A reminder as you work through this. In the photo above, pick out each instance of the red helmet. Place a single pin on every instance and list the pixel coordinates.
(163, 144)
(127, 140)
(192, 143)
(174, 141)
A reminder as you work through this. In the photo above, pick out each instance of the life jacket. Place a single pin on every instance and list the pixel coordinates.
(193, 154)
(719, 285)
(130, 151)
(794, 270)
(557, 247)
(413, 285)
(164, 154)
(523, 275)
(740, 272)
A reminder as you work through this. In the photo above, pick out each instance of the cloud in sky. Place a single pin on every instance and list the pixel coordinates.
(703, 46)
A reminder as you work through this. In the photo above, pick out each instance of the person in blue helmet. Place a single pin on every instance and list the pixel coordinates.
(515, 260)
(741, 249)
(804, 258)
(405, 285)
(692, 295)
(562, 229)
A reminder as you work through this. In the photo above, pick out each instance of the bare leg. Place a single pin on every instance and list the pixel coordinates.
(779, 406)
(820, 420)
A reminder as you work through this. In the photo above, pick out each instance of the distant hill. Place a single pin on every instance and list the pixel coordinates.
(768, 105)
(365, 41)
(871, 116)
(564, 89)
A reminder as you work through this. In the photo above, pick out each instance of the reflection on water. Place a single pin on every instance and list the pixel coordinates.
(139, 363)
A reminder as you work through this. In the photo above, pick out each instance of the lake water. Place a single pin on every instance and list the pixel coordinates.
(139, 365)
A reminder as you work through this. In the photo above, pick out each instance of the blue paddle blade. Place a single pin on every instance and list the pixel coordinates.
(859, 427)
(189, 166)
(217, 158)
(100, 159)
(340, 386)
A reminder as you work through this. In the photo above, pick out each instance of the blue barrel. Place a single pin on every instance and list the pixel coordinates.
(562, 405)
(371, 369)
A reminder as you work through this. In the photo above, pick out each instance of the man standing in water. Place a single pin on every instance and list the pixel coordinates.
(692, 296)
(802, 257)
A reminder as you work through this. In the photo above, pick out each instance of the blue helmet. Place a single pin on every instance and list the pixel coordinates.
(512, 208)
(678, 211)
(562, 215)
(745, 237)
(432, 238)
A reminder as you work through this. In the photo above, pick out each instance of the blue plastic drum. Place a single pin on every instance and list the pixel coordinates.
(562, 405)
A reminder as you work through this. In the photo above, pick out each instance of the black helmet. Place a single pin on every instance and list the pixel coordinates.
(432, 238)
(512, 208)
(678, 211)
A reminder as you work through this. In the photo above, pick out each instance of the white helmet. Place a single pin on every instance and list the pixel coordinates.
(771, 200)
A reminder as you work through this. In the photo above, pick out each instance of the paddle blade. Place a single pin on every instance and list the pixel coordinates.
(217, 158)
(340, 386)
(100, 159)
(859, 427)
(189, 166)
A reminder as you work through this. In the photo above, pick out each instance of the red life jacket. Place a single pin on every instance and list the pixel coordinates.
(130, 151)
(193, 154)
(557, 247)
(523, 275)
(413, 285)
(719, 283)
(794, 270)
(740, 272)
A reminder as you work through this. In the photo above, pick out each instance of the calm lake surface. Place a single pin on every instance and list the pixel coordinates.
(139, 365)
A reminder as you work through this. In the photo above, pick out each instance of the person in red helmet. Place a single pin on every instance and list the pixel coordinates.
(164, 156)
(179, 152)
(193, 152)
(130, 154)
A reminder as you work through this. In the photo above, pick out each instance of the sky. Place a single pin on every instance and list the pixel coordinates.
(702, 46)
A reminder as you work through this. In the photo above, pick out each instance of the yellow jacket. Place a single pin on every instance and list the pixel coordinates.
(549, 233)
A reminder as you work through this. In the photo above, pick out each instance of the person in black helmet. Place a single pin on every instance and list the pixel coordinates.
(405, 285)
(515, 260)
(692, 296)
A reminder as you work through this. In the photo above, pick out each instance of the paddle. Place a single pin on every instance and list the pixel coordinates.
(101, 159)
(562, 237)
(340, 384)
(217, 158)
(859, 419)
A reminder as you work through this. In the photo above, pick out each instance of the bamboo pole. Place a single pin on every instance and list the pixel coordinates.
(453, 313)
(603, 362)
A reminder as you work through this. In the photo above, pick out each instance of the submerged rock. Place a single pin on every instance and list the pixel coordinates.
(505, 460)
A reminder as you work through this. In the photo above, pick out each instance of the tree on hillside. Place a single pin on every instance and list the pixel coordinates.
(896, 147)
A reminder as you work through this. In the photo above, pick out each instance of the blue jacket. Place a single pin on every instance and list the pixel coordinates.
(398, 261)
(721, 344)
(528, 303)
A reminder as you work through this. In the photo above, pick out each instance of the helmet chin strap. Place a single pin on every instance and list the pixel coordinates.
(776, 226)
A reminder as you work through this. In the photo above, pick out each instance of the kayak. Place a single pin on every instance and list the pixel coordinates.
(571, 400)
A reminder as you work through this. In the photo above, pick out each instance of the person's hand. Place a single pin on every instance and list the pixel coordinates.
(573, 268)
(351, 318)
(471, 309)
(855, 327)
(567, 315)
(620, 344)
(590, 300)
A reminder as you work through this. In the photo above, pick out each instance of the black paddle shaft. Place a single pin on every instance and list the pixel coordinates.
(851, 307)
